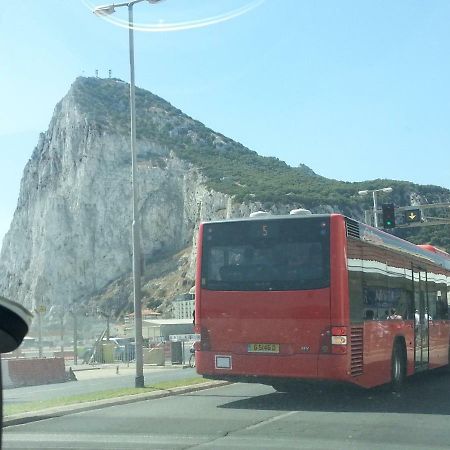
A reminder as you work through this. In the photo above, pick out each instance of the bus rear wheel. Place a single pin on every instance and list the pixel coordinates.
(398, 366)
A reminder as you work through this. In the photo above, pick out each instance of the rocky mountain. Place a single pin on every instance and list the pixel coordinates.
(70, 238)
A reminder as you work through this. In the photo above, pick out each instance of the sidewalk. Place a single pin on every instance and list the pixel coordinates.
(90, 371)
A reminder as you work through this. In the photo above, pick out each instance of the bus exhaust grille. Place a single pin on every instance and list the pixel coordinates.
(352, 228)
(356, 345)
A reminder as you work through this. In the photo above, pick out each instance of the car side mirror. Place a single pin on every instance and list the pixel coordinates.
(15, 321)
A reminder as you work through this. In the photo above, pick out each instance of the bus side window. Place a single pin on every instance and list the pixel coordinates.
(441, 304)
(433, 306)
(444, 300)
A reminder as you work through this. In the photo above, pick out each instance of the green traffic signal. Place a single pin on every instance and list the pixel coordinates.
(388, 215)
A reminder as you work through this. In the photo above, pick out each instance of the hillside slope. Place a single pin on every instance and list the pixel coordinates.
(69, 240)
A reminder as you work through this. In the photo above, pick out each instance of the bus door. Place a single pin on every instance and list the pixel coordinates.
(421, 329)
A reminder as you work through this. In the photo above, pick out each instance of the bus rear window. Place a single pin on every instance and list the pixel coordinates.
(264, 255)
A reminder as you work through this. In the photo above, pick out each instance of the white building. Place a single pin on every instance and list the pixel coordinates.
(183, 306)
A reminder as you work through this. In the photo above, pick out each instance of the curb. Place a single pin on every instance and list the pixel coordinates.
(59, 411)
(83, 369)
(113, 366)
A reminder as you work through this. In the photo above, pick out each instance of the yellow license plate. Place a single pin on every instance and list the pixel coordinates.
(263, 348)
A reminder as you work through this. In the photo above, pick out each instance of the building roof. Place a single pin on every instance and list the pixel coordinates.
(158, 322)
(188, 297)
(145, 312)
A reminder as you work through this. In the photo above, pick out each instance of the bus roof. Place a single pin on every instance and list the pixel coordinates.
(272, 217)
(434, 249)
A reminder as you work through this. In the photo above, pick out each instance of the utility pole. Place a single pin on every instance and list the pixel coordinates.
(75, 337)
(62, 332)
(107, 327)
(106, 10)
(38, 313)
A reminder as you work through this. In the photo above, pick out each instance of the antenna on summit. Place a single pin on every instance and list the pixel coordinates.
(109, 73)
(96, 73)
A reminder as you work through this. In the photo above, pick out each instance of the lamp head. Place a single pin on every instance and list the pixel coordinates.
(105, 10)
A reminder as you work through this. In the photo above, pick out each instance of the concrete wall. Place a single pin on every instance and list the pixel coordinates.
(154, 356)
(6, 379)
(31, 372)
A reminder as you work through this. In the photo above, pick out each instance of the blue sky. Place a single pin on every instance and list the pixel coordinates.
(354, 89)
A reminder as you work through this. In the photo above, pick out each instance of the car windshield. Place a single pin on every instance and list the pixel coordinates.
(229, 222)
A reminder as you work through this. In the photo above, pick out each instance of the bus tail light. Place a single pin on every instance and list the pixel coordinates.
(339, 349)
(339, 331)
(339, 340)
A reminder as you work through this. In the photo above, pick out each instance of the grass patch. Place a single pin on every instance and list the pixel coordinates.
(10, 410)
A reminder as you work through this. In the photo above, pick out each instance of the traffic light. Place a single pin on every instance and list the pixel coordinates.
(388, 215)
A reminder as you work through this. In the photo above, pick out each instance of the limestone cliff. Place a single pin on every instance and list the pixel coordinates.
(70, 235)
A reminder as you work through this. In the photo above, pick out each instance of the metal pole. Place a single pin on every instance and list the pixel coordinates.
(62, 335)
(375, 209)
(75, 339)
(138, 339)
(107, 327)
(39, 333)
(367, 218)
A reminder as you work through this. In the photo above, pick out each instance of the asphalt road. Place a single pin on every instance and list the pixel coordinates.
(244, 416)
(94, 380)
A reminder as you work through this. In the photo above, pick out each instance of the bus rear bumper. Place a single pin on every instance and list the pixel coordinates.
(267, 368)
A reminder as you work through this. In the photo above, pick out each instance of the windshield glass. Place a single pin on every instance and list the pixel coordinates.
(285, 254)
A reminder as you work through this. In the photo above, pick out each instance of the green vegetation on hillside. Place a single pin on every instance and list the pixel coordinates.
(234, 169)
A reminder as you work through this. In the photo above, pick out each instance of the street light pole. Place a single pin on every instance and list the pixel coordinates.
(138, 339)
(61, 317)
(38, 313)
(75, 337)
(375, 209)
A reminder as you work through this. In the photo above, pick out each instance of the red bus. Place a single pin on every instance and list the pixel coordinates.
(281, 299)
